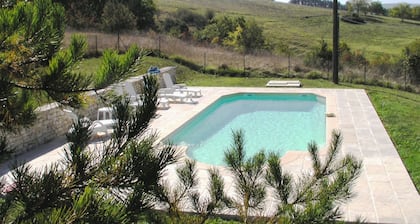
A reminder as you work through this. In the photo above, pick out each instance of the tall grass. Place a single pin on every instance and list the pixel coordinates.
(207, 56)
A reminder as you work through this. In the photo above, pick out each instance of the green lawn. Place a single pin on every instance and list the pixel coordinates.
(398, 110)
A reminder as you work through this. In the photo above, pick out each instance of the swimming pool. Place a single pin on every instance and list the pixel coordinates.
(273, 122)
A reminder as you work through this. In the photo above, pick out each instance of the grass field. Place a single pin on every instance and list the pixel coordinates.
(398, 110)
(302, 27)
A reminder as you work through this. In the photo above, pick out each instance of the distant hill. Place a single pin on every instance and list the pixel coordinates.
(392, 5)
(302, 27)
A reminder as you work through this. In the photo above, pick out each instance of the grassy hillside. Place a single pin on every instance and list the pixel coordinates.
(302, 27)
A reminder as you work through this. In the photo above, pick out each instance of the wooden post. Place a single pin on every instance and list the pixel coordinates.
(159, 45)
(335, 41)
(118, 42)
(96, 45)
(205, 60)
(244, 62)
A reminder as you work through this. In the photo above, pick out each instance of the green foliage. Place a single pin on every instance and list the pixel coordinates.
(117, 17)
(314, 75)
(377, 8)
(88, 207)
(223, 70)
(186, 192)
(133, 123)
(31, 34)
(402, 11)
(412, 60)
(175, 27)
(114, 66)
(315, 197)
(114, 186)
(144, 11)
(191, 18)
(186, 63)
(360, 6)
(83, 13)
(181, 22)
(87, 13)
(243, 35)
(141, 171)
(320, 56)
(77, 160)
(59, 81)
(415, 13)
(35, 191)
(16, 107)
(248, 177)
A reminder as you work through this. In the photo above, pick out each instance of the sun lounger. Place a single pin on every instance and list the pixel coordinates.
(170, 84)
(163, 103)
(284, 83)
(180, 87)
(175, 96)
(103, 124)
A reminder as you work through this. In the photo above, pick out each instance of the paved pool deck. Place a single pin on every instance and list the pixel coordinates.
(384, 190)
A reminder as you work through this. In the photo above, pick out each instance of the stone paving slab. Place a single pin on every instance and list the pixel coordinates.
(384, 191)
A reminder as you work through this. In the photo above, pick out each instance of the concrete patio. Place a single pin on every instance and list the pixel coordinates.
(384, 191)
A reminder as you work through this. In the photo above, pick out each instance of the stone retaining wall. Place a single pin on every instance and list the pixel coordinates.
(52, 121)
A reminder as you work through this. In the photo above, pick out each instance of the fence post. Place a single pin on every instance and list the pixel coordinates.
(365, 70)
(244, 62)
(118, 42)
(159, 45)
(96, 45)
(205, 60)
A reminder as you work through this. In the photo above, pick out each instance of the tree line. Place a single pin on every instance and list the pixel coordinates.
(403, 10)
(90, 14)
(317, 3)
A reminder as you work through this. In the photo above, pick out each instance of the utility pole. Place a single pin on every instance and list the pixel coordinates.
(335, 41)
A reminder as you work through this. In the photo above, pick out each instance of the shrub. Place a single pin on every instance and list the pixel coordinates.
(314, 75)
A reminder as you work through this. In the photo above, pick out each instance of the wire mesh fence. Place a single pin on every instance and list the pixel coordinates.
(203, 55)
(210, 56)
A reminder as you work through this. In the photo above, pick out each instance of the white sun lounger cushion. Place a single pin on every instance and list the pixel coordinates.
(284, 83)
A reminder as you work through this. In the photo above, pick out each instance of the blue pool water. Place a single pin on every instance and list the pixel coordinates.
(273, 122)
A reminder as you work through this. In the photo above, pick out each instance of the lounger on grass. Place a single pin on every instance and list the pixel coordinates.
(284, 83)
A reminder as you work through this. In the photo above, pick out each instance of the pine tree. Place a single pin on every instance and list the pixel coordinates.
(33, 65)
